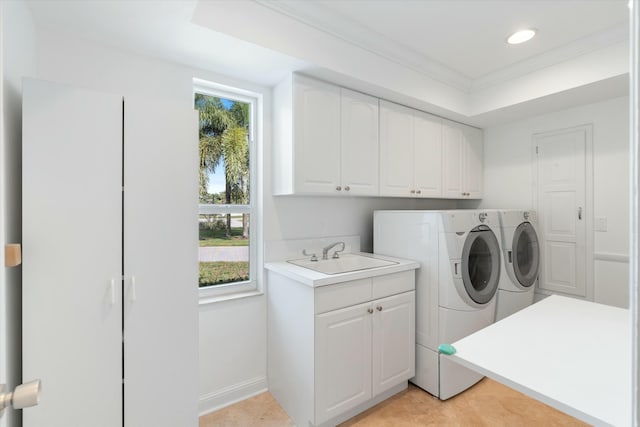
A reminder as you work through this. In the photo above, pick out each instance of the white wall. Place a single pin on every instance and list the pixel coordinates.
(18, 48)
(509, 164)
(232, 333)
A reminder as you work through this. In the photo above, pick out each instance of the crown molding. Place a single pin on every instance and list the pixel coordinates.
(349, 31)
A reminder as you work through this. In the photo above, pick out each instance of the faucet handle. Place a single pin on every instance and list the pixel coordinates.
(336, 254)
(313, 256)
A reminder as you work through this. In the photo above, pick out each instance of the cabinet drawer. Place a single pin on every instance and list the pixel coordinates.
(393, 284)
(341, 295)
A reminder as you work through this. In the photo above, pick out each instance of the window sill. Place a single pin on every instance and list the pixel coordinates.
(212, 299)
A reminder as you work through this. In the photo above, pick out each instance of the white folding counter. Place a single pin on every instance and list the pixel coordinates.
(570, 354)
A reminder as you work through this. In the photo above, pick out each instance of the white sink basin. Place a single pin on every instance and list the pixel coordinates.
(344, 264)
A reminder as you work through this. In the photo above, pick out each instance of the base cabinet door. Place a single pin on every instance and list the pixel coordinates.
(343, 360)
(393, 341)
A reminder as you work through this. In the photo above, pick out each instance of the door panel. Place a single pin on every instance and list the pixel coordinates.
(561, 167)
(359, 143)
(427, 154)
(343, 367)
(473, 162)
(453, 161)
(396, 150)
(72, 252)
(393, 341)
(160, 248)
(317, 136)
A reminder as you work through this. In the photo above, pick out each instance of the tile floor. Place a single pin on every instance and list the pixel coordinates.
(487, 404)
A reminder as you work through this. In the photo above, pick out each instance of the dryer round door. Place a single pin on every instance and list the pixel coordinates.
(526, 254)
(481, 264)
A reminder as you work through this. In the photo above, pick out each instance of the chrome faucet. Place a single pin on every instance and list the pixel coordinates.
(326, 250)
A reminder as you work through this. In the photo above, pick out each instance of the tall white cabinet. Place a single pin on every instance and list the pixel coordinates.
(110, 320)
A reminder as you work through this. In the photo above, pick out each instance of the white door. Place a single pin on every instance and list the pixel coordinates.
(72, 254)
(473, 162)
(563, 209)
(427, 155)
(396, 150)
(316, 131)
(453, 160)
(343, 366)
(359, 142)
(160, 255)
(393, 341)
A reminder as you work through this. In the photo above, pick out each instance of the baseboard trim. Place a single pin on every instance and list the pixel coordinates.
(219, 399)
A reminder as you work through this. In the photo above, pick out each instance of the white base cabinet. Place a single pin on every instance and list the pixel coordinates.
(338, 349)
(109, 289)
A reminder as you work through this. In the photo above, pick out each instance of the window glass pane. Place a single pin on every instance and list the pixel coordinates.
(224, 249)
(224, 192)
(224, 150)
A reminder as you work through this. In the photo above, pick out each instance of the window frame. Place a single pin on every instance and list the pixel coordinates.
(249, 287)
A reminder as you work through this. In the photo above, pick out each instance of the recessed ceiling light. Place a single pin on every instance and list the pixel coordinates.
(521, 36)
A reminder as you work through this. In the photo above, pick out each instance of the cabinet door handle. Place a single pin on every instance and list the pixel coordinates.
(338, 188)
(379, 308)
(580, 213)
(347, 188)
(370, 310)
(112, 291)
(418, 191)
(413, 191)
(133, 289)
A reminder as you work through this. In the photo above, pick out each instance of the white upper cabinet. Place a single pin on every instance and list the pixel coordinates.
(316, 135)
(330, 140)
(462, 161)
(410, 152)
(359, 137)
(326, 139)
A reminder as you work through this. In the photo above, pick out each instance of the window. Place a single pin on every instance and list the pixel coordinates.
(227, 234)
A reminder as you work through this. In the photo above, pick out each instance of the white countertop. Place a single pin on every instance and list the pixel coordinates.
(313, 278)
(570, 354)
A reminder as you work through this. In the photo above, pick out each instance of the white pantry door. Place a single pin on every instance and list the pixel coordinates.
(160, 264)
(563, 209)
(72, 252)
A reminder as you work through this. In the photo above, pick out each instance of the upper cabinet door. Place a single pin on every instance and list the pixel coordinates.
(160, 264)
(359, 137)
(453, 161)
(316, 134)
(396, 150)
(427, 154)
(72, 252)
(473, 161)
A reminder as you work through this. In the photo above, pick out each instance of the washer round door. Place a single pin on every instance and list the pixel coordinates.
(481, 264)
(526, 254)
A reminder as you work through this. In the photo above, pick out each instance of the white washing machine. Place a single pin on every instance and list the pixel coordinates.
(456, 284)
(521, 259)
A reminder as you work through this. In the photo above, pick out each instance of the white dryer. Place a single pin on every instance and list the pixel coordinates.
(456, 284)
(521, 257)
